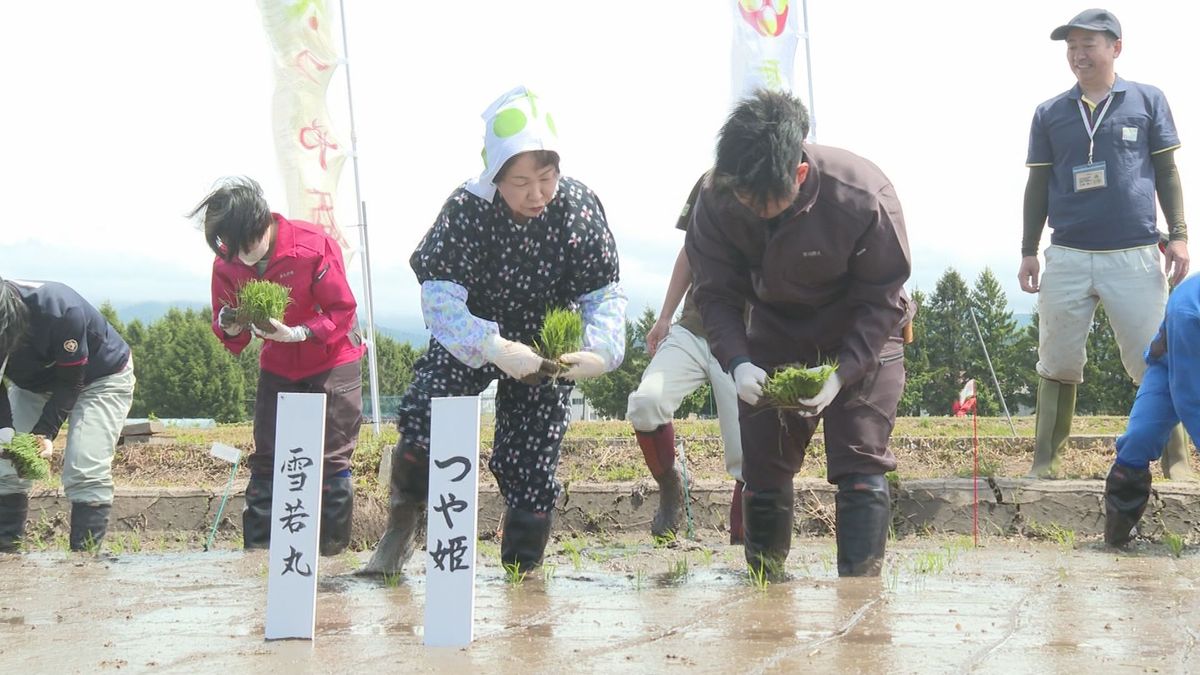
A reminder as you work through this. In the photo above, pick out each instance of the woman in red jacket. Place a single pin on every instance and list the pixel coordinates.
(313, 350)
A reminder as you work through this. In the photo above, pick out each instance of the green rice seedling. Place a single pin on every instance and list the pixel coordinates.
(758, 576)
(259, 301)
(893, 576)
(392, 580)
(639, 576)
(513, 574)
(562, 333)
(678, 570)
(548, 572)
(787, 386)
(24, 453)
(665, 539)
(1174, 543)
(707, 555)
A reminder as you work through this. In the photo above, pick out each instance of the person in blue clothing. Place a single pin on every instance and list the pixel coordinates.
(1169, 394)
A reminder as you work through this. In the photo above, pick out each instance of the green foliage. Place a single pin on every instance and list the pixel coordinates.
(1106, 388)
(260, 300)
(609, 393)
(184, 371)
(785, 387)
(24, 453)
(562, 333)
(395, 361)
(699, 402)
(946, 350)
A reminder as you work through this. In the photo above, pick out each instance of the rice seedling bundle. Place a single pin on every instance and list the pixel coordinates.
(24, 451)
(259, 301)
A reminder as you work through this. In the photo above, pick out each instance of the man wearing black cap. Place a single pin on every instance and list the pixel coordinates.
(1098, 153)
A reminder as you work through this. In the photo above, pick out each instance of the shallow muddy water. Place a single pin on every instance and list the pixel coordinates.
(626, 606)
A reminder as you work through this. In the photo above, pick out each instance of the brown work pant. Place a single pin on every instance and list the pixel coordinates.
(342, 386)
(858, 424)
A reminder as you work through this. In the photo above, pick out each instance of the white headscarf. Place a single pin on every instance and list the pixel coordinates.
(513, 123)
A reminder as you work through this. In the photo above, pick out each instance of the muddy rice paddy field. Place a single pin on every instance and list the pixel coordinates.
(1038, 593)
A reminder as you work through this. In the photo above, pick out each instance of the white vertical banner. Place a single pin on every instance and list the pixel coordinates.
(295, 516)
(765, 36)
(310, 155)
(453, 523)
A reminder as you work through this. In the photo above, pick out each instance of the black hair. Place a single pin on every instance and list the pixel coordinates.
(234, 215)
(14, 319)
(541, 160)
(760, 146)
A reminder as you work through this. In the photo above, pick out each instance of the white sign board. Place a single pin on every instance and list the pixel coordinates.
(295, 516)
(453, 525)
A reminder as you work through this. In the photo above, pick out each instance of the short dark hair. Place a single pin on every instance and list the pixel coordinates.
(234, 215)
(541, 159)
(14, 319)
(760, 146)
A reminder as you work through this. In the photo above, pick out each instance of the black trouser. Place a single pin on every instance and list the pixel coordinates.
(858, 426)
(342, 386)
(530, 423)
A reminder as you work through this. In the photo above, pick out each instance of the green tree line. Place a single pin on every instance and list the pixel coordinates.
(184, 371)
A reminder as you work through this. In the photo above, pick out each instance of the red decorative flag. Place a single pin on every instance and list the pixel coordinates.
(966, 400)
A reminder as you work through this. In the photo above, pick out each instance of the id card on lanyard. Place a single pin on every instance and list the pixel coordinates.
(1093, 175)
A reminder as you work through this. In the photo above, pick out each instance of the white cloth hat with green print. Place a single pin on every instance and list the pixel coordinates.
(513, 123)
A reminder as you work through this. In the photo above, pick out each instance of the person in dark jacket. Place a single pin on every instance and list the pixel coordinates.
(813, 238)
(64, 362)
(504, 248)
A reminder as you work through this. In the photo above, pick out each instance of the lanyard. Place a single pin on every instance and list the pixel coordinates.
(1091, 128)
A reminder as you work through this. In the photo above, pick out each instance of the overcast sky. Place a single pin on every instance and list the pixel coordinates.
(119, 116)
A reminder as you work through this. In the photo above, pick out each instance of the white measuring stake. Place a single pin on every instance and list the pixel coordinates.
(453, 524)
(295, 516)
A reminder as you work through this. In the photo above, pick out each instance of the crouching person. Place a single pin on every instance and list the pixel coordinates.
(1169, 394)
(313, 350)
(504, 248)
(65, 362)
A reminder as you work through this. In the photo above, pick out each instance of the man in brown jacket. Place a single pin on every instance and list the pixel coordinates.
(813, 239)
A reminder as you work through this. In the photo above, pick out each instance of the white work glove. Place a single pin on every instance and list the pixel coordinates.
(282, 332)
(583, 365)
(47, 447)
(517, 360)
(748, 379)
(828, 392)
(227, 319)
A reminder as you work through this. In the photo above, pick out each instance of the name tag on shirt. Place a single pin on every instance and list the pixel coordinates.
(1090, 176)
(1129, 134)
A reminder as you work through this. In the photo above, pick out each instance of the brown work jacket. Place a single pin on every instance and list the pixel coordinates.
(824, 279)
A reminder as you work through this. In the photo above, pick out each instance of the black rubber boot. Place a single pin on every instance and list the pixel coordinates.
(768, 518)
(89, 523)
(526, 534)
(14, 511)
(406, 511)
(256, 517)
(337, 514)
(1126, 493)
(864, 512)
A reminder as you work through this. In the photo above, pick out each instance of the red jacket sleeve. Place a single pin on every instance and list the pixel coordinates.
(224, 292)
(332, 294)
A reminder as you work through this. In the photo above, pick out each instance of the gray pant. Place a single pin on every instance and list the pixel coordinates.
(93, 428)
